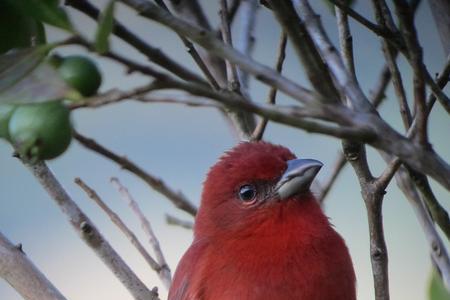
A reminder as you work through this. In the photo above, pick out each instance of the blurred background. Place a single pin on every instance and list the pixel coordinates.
(179, 144)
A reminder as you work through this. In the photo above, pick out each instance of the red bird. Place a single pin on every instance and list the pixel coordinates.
(260, 234)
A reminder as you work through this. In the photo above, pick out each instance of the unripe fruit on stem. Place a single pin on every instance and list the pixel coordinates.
(40, 131)
(6, 110)
(81, 73)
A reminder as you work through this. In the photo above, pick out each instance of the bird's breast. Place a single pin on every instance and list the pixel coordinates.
(285, 263)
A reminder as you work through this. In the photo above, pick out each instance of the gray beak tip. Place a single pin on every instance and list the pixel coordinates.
(298, 177)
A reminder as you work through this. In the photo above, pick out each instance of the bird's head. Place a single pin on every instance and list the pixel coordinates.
(250, 182)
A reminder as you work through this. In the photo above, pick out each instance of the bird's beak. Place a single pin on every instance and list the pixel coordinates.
(298, 177)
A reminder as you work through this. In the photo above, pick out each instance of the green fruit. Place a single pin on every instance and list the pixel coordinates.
(81, 73)
(40, 131)
(6, 110)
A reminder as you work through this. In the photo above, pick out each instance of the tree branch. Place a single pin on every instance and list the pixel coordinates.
(281, 55)
(153, 54)
(23, 275)
(246, 39)
(171, 220)
(315, 68)
(209, 41)
(436, 246)
(194, 54)
(90, 234)
(441, 12)
(337, 68)
(177, 198)
(162, 271)
(378, 30)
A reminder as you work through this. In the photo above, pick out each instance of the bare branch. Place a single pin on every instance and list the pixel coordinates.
(441, 11)
(23, 275)
(385, 178)
(177, 198)
(337, 68)
(193, 12)
(210, 42)
(436, 246)
(184, 100)
(160, 270)
(377, 94)
(345, 41)
(415, 53)
(153, 54)
(246, 39)
(164, 270)
(378, 30)
(373, 198)
(372, 189)
(193, 52)
(281, 55)
(90, 234)
(114, 96)
(438, 213)
(171, 220)
(315, 68)
(232, 75)
(339, 164)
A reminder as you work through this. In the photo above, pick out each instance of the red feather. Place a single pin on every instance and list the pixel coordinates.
(281, 250)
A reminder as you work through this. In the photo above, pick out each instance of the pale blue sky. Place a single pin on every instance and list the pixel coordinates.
(179, 144)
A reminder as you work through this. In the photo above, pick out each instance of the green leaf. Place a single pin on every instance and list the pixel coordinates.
(25, 77)
(436, 289)
(47, 11)
(17, 64)
(18, 30)
(105, 27)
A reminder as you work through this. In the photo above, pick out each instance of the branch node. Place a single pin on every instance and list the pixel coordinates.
(19, 247)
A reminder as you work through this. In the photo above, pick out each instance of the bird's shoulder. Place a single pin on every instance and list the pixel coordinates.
(185, 275)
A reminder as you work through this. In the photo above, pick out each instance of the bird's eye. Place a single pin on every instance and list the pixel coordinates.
(247, 193)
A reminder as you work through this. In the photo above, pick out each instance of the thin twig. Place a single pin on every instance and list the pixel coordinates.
(246, 39)
(378, 93)
(372, 189)
(210, 42)
(345, 41)
(438, 213)
(397, 81)
(171, 220)
(334, 62)
(114, 96)
(373, 195)
(164, 271)
(193, 52)
(242, 122)
(436, 246)
(415, 53)
(315, 68)
(339, 164)
(185, 100)
(232, 74)
(19, 272)
(378, 30)
(192, 11)
(281, 55)
(126, 231)
(153, 54)
(177, 198)
(90, 234)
